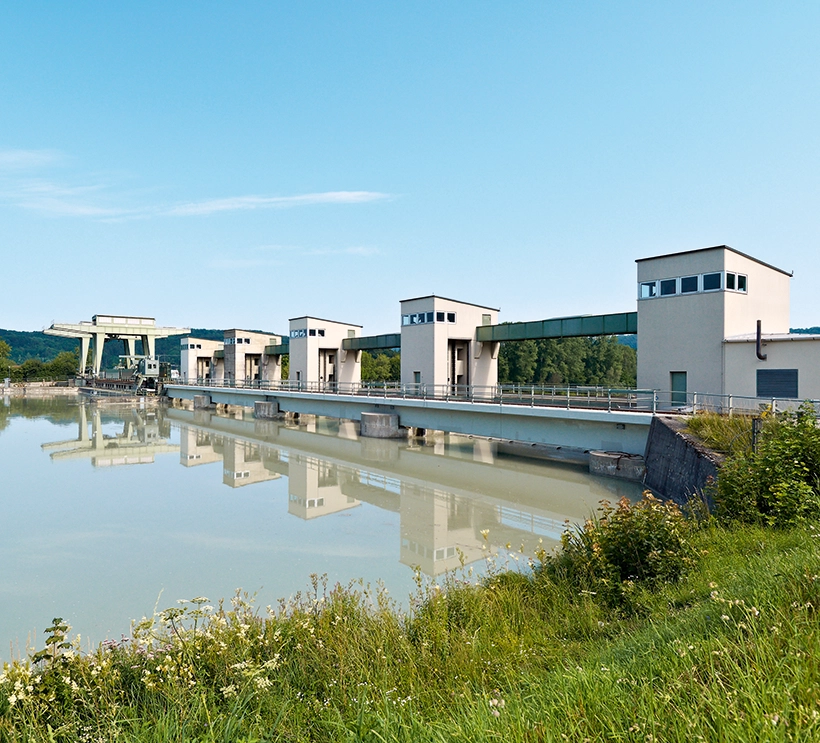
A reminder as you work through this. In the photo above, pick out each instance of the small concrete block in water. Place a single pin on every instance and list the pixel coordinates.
(381, 426)
(266, 410)
(617, 464)
(202, 401)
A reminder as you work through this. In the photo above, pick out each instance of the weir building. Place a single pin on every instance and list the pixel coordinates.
(716, 321)
(711, 321)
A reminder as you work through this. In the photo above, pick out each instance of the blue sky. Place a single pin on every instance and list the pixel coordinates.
(234, 165)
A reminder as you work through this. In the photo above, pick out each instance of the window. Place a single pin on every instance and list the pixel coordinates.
(669, 287)
(486, 319)
(302, 333)
(321, 332)
(422, 318)
(312, 332)
(741, 282)
(416, 377)
(711, 282)
(730, 280)
(688, 284)
(351, 333)
(649, 289)
(777, 382)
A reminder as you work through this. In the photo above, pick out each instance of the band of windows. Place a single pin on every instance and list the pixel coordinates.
(707, 282)
(305, 332)
(422, 318)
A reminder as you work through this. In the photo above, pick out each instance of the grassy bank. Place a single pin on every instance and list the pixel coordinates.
(729, 652)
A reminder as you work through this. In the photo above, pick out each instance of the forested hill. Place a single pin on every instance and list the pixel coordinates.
(37, 345)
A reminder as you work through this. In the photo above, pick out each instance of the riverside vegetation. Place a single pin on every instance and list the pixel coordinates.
(648, 625)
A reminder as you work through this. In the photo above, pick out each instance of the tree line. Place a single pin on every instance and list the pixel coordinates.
(566, 361)
(62, 366)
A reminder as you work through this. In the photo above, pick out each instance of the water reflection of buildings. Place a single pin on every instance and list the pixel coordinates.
(145, 433)
(448, 494)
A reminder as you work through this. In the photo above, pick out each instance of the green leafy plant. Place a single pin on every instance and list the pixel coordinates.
(779, 484)
(628, 545)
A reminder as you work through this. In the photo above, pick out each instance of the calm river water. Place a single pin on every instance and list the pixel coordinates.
(110, 510)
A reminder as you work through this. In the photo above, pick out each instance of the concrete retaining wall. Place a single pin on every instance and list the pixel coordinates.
(678, 465)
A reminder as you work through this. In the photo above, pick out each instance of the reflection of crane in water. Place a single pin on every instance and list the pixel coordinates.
(144, 434)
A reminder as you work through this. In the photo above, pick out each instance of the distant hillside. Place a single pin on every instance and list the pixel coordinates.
(35, 345)
(808, 331)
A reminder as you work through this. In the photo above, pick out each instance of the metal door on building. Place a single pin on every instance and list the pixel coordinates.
(677, 383)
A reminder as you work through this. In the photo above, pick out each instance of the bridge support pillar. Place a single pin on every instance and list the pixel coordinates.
(266, 410)
(85, 344)
(202, 402)
(99, 343)
(381, 426)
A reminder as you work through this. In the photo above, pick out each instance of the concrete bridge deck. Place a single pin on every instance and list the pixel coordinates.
(556, 421)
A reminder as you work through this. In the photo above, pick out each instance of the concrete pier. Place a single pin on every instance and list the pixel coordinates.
(617, 464)
(381, 426)
(266, 410)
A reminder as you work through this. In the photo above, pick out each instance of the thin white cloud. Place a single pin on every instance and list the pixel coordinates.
(240, 203)
(27, 159)
(27, 181)
(59, 200)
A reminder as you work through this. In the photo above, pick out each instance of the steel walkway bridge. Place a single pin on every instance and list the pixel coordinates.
(580, 326)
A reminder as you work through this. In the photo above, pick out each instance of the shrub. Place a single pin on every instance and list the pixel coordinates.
(779, 484)
(641, 544)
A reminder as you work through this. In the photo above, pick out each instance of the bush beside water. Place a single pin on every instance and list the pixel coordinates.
(646, 626)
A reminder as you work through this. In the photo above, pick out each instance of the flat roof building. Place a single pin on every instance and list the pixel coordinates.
(698, 317)
(439, 346)
(317, 355)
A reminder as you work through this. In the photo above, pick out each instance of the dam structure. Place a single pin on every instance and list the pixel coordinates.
(555, 432)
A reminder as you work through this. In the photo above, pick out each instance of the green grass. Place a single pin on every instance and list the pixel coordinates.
(731, 652)
(723, 433)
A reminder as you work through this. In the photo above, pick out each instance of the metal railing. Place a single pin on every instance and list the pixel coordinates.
(593, 398)
(569, 397)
